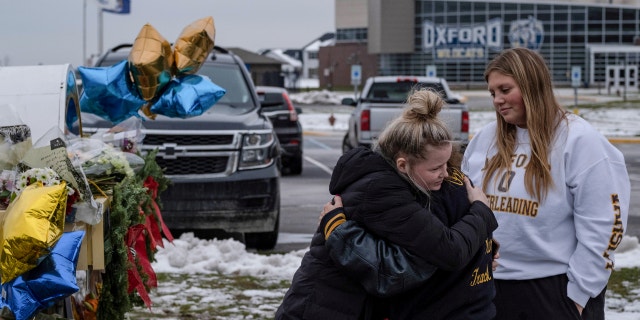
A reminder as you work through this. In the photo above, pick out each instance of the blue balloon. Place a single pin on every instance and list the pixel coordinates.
(188, 96)
(109, 92)
(52, 279)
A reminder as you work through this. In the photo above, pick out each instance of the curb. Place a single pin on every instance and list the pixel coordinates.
(323, 133)
(623, 140)
(614, 140)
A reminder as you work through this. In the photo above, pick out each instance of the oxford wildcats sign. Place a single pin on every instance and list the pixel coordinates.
(472, 42)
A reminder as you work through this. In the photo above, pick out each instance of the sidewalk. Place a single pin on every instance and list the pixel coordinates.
(590, 95)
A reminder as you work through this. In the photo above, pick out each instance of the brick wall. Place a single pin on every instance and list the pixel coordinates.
(334, 69)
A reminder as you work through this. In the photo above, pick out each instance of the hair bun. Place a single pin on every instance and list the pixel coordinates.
(423, 104)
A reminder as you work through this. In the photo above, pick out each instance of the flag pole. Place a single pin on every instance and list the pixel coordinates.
(84, 32)
(100, 33)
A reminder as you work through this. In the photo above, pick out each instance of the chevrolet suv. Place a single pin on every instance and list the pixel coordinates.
(224, 165)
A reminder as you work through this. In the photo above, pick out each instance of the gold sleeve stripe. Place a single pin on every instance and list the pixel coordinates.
(456, 177)
(333, 223)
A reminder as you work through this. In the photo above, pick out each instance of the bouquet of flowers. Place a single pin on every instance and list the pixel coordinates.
(48, 177)
(103, 165)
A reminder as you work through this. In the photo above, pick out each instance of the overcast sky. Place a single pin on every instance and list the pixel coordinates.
(51, 31)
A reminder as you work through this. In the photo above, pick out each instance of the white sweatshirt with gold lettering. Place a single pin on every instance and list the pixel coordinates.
(577, 226)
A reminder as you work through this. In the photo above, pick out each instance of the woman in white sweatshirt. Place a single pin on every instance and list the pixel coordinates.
(559, 190)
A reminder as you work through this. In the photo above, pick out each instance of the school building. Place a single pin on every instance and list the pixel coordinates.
(593, 43)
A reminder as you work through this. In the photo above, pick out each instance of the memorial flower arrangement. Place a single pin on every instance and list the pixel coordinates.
(108, 162)
(103, 165)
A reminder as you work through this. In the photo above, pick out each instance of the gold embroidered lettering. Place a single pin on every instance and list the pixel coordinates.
(456, 177)
(617, 231)
(488, 244)
(478, 278)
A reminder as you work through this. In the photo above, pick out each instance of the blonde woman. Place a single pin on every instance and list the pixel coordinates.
(437, 230)
(560, 192)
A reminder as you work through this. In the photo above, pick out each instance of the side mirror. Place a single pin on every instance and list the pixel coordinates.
(298, 110)
(348, 102)
(452, 101)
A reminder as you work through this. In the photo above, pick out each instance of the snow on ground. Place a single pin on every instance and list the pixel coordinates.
(192, 255)
(205, 263)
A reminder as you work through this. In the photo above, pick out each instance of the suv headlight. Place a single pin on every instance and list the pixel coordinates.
(256, 150)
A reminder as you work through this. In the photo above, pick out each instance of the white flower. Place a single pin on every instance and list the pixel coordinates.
(46, 175)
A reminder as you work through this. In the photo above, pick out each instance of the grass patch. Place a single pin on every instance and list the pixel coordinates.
(625, 283)
(213, 296)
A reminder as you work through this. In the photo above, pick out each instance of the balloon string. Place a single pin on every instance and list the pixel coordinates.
(146, 109)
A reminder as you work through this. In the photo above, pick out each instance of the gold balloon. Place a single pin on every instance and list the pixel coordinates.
(150, 62)
(32, 224)
(194, 45)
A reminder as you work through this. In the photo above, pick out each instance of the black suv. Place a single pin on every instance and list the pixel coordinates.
(277, 105)
(224, 164)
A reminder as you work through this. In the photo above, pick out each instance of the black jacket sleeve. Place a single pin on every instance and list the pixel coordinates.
(382, 268)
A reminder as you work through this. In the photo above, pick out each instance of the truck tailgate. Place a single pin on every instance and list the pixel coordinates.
(381, 115)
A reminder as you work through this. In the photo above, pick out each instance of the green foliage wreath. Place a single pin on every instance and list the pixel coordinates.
(129, 196)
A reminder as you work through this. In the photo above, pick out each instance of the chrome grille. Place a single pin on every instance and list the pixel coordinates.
(183, 153)
(192, 140)
(193, 165)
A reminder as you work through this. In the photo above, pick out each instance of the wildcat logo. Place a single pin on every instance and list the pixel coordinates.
(526, 33)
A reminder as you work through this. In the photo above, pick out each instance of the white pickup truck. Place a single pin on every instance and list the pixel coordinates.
(383, 98)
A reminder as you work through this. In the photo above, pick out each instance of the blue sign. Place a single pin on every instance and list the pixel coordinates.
(356, 74)
(431, 71)
(576, 76)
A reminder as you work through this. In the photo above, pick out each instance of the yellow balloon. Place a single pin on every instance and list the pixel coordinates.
(193, 46)
(32, 224)
(150, 62)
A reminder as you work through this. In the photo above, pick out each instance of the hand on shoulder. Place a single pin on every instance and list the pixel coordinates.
(475, 193)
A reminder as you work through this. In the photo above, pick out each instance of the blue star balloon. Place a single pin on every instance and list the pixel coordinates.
(188, 96)
(52, 279)
(109, 93)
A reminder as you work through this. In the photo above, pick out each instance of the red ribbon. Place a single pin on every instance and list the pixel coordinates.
(153, 221)
(137, 255)
(151, 226)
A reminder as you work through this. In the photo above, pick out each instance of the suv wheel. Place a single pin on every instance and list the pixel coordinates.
(345, 144)
(295, 165)
(264, 240)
